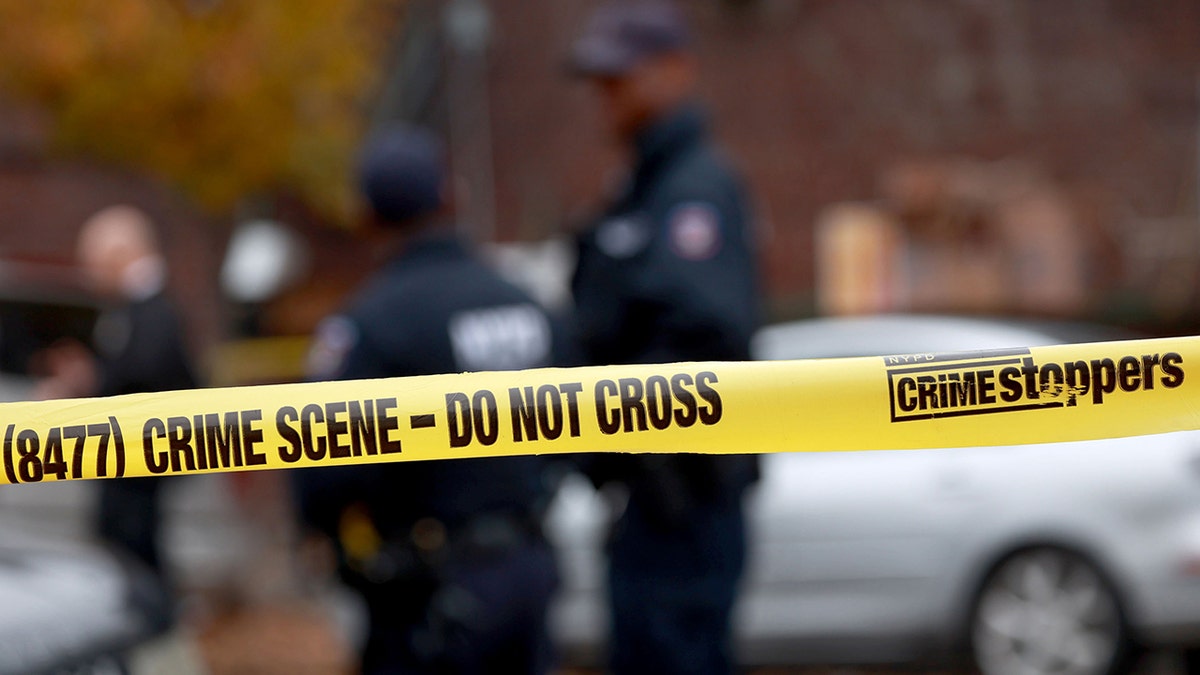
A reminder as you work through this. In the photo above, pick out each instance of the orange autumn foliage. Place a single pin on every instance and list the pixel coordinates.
(224, 98)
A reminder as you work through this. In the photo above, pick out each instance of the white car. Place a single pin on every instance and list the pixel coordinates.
(1057, 558)
(71, 608)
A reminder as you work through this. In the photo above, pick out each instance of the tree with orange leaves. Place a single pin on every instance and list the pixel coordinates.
(224, 98)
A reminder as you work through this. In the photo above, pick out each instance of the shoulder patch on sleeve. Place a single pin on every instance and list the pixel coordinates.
(334, 338)
(694, 231)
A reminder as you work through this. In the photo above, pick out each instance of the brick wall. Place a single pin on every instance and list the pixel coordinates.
(44, 202)
(818, 99)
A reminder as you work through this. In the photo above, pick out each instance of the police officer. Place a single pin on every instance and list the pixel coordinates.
(666, 274)
(448, 555)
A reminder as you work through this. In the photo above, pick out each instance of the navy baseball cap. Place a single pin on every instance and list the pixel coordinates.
(401, 172)
(620, 35)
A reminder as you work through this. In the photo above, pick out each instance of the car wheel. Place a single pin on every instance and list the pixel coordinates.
(1047, 610)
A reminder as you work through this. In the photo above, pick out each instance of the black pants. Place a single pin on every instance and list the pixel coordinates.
(1191, 661)
(486, 615)
(673, 590)
(129, 518)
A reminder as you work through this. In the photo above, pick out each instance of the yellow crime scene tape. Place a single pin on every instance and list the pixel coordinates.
(999, 397)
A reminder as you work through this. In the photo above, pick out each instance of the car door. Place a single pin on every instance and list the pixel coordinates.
(849, 549)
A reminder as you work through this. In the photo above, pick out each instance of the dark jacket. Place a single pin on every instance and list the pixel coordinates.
(434, 309)
(142, 349)
(668, 274)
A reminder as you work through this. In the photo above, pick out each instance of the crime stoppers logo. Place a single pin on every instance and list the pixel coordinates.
(929, 386)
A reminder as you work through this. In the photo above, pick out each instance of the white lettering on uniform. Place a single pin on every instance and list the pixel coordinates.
(512, 337)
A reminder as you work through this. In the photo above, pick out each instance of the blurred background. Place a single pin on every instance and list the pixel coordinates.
(1005, 158)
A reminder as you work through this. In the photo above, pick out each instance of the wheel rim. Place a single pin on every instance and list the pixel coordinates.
(1046, 611)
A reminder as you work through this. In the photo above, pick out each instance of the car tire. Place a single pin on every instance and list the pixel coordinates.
(1047, 610)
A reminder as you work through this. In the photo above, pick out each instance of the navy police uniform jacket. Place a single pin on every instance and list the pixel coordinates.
(434, 309)
(667, 274)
